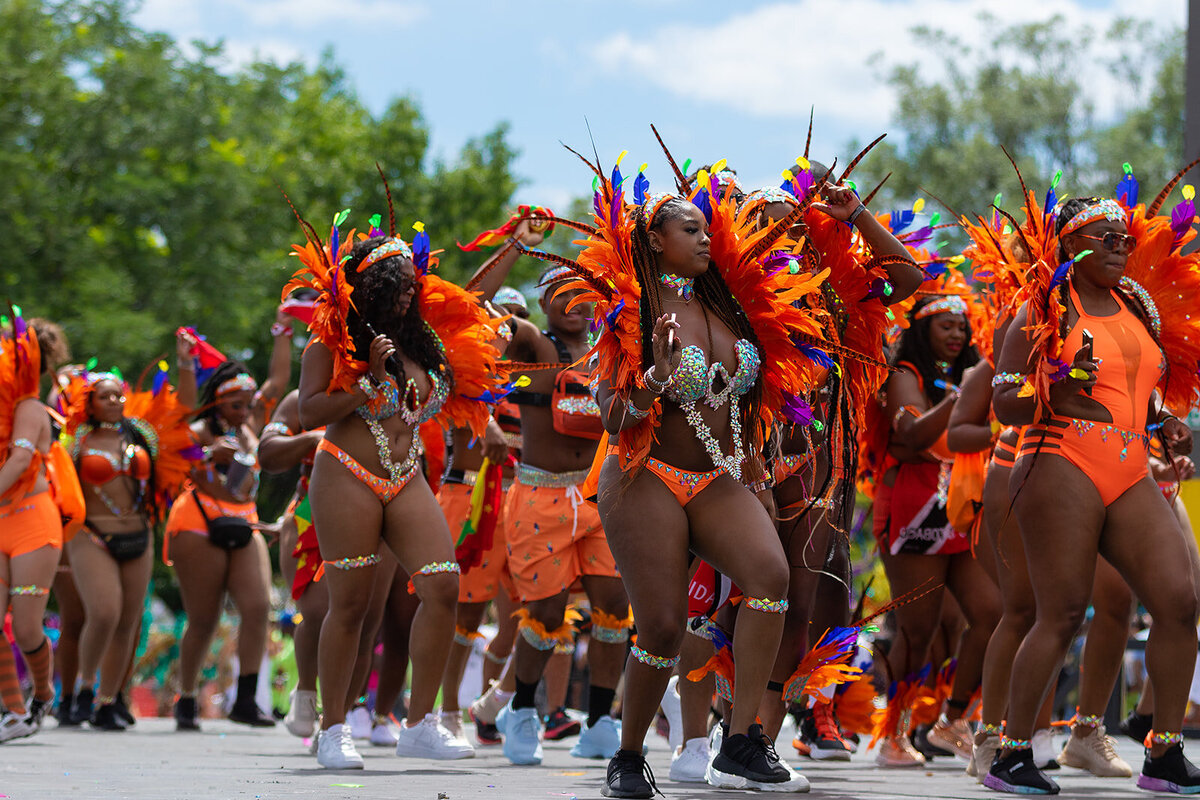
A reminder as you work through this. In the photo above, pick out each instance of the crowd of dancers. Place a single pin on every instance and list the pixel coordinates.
(679, 450)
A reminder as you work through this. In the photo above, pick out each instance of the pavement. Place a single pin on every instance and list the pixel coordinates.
(231, 761)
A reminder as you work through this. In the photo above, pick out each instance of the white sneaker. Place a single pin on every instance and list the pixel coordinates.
(301, 718)
(1097, 753)
(689, 762)
(673, 711)
(428, 739)
(14, 726)
(382, 733)
(452, 721)
(488, 705)
(715, 737)
(1044, 751)
(359, 720)
(335, 749)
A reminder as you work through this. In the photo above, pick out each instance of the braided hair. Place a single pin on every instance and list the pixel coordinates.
(916, 348)
(375, 293)
(710, 290)
(207, 402)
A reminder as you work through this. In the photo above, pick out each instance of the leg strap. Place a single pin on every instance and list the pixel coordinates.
(658, 662)
(29, 590)
(610, 629)
(767, 606)
(354, 562)
(439, 567)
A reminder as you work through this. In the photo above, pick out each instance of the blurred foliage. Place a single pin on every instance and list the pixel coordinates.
(1023, 88)
(142, 180)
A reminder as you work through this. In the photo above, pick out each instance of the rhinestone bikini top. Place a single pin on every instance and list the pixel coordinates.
(694, 377)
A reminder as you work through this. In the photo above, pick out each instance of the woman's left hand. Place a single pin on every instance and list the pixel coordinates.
(1178, 436)
(840, 201)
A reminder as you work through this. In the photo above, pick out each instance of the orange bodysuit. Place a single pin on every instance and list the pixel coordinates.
(1111, 454)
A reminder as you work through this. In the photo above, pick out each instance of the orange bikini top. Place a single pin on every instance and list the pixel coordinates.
(98, 467)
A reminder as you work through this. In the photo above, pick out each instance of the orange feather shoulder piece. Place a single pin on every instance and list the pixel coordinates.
(20, 371)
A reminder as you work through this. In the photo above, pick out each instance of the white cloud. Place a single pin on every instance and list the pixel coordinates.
(774, 61)
(239, 53)
(308, 14)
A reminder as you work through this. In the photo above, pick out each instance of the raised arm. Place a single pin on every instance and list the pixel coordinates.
(185, 343)
(279, 372)
(843, 204)
(504, 258)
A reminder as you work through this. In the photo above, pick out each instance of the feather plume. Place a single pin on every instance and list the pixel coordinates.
(1153, 208)
(681, 180)
(861, 155)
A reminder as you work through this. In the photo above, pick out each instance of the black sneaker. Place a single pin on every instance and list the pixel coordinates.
(1136, 726)
(122, 710)
(920, 741)
(63, 713)
(749, 761)
(560, 726)
(823, 736)
(1170, 772)
(185, 714)
(251, 715)
(37, 712)
(629, 776)
(1017, 774)
(105, 718)
(81, 708)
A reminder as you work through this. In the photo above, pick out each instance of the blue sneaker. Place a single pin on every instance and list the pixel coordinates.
(601, 740)
(522, 731)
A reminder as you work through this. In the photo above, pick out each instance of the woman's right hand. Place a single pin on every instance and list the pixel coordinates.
(1079, 380)
(666, 347)
(222, 450)
(381, 349)
(185, 344)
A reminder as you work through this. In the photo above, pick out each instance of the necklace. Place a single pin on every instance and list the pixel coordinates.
(109, 426)
(944, 366)
(683, 286)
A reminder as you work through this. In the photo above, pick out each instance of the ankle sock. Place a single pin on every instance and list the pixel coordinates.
(41, 670)
(526, 695)
(599, 703)
(10, 687)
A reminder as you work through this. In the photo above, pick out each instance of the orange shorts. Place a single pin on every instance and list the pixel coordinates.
(185, 513)
(482, 583)
(554, 537)
(30, 523)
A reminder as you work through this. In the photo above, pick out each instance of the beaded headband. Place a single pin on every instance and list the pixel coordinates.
(391, 247)
(1105, 209)
(771, 194)
(726, 178)
(553, 276)
(950, 304)
(654, 204)
(506, 295)
(239, 383)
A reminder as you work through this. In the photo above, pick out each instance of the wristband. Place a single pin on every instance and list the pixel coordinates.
(186, 366)
(854, 214)
(1003, 378)
(634, 411)
(279, 329)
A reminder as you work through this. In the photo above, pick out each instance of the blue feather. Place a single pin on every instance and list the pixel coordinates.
(1127, 190)
(420, 248)
(611, 317)
(816, 355)
(702, 202)
(640, 185)
(901, 220)
(160, 380)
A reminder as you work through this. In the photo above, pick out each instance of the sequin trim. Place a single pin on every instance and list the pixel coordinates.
(769, 606)
(494, 658)
(988, 729)
(1009, 743)
(275, 427)
(537, 642)
(532, 476)
(562, 649)
(1083, 427)
(29, 590)
(610, 635)
(25, 444)
(1106, 209)
(950, 304)
(1154, 737)
(579, 404)
(650, 660)
(354, 562)
(1087, 720)
(1005, 378)
(238, 383)
(1143, 296)
(686, 479)
(439, 567)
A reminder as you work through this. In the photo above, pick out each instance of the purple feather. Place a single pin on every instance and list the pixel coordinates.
(920, 237)
(193, 452)
(1061, 368)
(776, 261)
(796, 411)
(618, 202)
(1182, 217)
(803, 183)
(598, 204)
(18, 326)
(878, 287)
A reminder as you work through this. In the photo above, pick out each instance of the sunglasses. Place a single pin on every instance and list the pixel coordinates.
(1114, 242)
(404, 283)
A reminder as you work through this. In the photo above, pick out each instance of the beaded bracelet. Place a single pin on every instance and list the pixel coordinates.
(1003, 378)
(634, 411)
(654, 384)
(25, 444)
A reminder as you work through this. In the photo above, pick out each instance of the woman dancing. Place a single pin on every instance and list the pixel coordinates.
(1081, 484)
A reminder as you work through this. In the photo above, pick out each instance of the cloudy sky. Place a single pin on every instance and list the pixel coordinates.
(720, 79)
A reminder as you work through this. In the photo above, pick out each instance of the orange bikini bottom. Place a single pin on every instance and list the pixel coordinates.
(1113, 458)
(683, 484)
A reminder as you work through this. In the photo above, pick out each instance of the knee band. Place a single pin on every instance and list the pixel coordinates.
(500, 660)
(609, 629)
(658, 662)
(767, 606)
(354, 562)
(567, 649)
(439, 567)
(29, 590)
(465, 637)
(539, 638)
